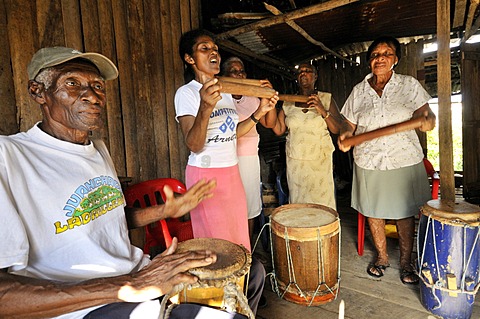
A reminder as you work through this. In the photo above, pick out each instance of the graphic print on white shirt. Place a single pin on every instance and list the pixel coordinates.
(63, 210)
(220, 149)
(90, 201)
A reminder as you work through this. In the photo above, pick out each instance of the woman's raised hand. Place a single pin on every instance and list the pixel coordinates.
(314, 101)
(210, 94)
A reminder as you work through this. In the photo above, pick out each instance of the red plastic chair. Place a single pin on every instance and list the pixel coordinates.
(433, 176)
(149, 193)
(435, 180)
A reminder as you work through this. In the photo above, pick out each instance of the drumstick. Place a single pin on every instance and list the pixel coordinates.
(252, 87)
(246, 89)
(293, 98)
(387, 130)
(240, 81)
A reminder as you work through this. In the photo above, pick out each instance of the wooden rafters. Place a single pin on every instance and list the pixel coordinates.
(276, 65)
(304, 33)
(243, 16)
(469, 23)
(270, 63)
(475, 27)
(459, 16)
(314, 9)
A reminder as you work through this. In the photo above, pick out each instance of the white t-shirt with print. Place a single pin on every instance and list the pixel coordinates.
(62, 211)
(401, 97)
(220, 148)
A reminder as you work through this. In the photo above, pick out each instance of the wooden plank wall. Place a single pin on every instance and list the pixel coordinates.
(471, 121)
(412, 63)
(339, 77)
(8, 107)
(141, 38)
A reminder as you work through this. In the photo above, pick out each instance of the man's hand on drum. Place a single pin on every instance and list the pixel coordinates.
(179, 206)
(163, 273)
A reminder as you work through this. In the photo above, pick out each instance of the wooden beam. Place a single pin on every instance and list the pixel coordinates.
(307, 36)
(300, 13)
(243, 16)
(474, 28)
(468, 24)
(444, 101)
(459, 15)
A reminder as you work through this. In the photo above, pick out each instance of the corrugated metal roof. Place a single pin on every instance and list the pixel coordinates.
(346, 29)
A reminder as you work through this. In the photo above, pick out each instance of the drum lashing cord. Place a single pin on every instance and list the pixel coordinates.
(232, 295)
(164, 311)
(260, 236)
(291, 269)
(439, 284)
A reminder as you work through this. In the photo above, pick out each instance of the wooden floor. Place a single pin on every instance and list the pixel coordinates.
(363, 296)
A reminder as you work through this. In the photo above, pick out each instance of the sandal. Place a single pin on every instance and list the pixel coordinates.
(376, 271)
(409, 277)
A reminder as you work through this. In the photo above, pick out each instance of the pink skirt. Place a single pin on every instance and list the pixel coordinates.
(224, 215)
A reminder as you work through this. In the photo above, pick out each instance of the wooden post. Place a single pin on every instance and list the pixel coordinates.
(447, 180)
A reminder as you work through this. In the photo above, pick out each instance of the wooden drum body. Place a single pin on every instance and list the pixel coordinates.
(221, 284)
(448, 257)
(306, 253)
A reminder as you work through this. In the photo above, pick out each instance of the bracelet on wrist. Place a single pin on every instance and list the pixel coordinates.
(252, 117)
(326, 116)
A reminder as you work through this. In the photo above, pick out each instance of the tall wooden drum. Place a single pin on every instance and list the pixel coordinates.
(449, 257)
(306, 253)
(221, 284)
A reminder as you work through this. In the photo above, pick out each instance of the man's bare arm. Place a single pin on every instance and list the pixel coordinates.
(173, 207)
(23, 297)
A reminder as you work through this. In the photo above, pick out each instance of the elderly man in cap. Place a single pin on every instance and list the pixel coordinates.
(62, 254)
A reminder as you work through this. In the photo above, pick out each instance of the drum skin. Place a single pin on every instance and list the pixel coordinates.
(303, 235)
(232, 265)
(448, 257)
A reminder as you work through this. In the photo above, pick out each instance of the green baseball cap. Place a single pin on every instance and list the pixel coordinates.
(48, 57)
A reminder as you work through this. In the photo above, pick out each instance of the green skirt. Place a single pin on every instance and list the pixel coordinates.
(390, 194)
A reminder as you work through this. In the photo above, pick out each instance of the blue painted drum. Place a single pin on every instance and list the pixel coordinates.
(448, 246)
